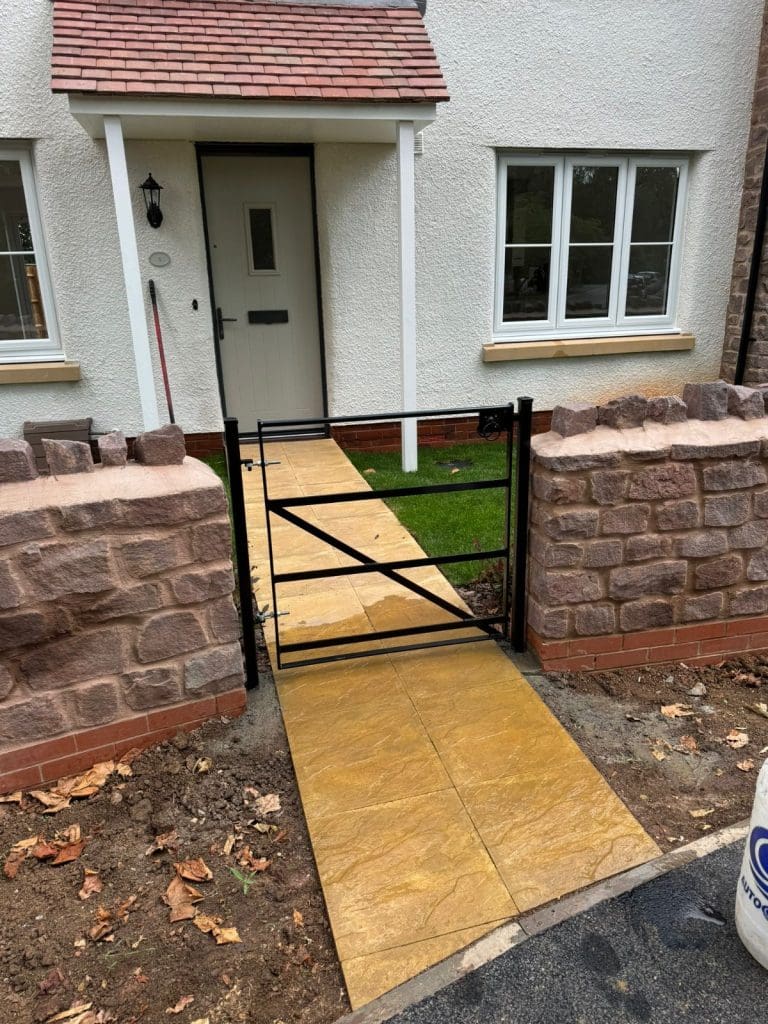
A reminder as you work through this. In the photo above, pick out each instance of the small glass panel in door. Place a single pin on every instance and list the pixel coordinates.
(261, 240)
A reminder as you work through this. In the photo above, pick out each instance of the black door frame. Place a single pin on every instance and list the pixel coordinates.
(307, 151)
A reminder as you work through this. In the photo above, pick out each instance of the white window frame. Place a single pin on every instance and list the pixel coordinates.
(26, 350)
(616, 323)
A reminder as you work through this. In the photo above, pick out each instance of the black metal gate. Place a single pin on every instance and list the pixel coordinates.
(493, 423)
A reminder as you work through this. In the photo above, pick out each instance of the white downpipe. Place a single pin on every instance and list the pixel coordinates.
(126, 230)
(406, 166)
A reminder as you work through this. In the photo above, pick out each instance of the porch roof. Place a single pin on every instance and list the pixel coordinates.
(375, 51)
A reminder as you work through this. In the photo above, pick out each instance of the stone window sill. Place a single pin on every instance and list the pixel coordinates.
(38, 373)
(504, 351)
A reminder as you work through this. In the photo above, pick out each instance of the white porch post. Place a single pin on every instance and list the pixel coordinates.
(407, 224)
(113, 133)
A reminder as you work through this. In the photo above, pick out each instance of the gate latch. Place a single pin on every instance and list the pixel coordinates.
(262, 614)
(492, 422)
(250, 463)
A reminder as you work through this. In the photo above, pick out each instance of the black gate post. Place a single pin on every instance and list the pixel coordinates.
(522, 496)
(240, 528)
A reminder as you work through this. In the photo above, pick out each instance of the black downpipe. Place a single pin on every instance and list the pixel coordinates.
(754, 277)
(240, 529)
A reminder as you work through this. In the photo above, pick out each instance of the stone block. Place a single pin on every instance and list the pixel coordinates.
(669, 409)
(21, 628)
(151, 688)
(113, 449)
(578, 463)
(702, 545)
(126, 602)
(196, 587)
(625, 519)
(223, 620)
(571, 525)
(146, 556)
(172, 509)
(550, 623)
(94, 703)
(601, 554)
(555, 556)
(91, 515)
(757, 567)
(56, 570)
(574, 418)
(746, 403)
(168, 635)
(161, 447)
(646, 614)
(17, 461)
(707, 606)
(749, 602)
(212, 542)
(751, 535)
(595, 619)
(558, 490)
(27, 720)
(623, 413)
(726, 509)
(19, 527)
(732, 476)
(643, 546)
(75, 659)
(10, 592)
(7, 682)
(559, 588)
(707, 401)
(629, 582)
(218, 669)
(721, 572)
(678, 515)
(65, 457)
(735, 449)
(609, 487)
(668, 480)
(760, 500)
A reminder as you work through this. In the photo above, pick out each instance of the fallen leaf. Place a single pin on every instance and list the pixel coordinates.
(194, 870)
(677, 711)
(688, 744)
(182, 1004)
(298, 919)
(69, 852)
(123, 769)
(202, 1020)
(53, 802)
(166, 841)
(454, 471)
(659, 755)
(736, 739)
(250, 791)
(747, 678)
(202, 765)
(17, 855)
(225, 936)
(746, 766)
(73, 1011)
(11, 798)
(368, 471)
(105, 924)
(246, 859)
(702, 812)
(140, 976)
(205, 923)
(229, 845)
(759, 709)
(43, 850)
(212, 926)
(52, 982)
(179, 897)
(124, 907)
(91, 884)
(268, 804)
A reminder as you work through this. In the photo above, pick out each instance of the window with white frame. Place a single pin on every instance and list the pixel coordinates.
(27, 321)
(588, 245)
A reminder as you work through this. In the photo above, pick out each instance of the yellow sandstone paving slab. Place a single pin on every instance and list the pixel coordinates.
(555, 827)
(405, 871)
(368, 976)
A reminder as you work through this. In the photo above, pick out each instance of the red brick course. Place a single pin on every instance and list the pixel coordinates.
(42, 763)
(695, 645)
(244, 49)
(385, 436)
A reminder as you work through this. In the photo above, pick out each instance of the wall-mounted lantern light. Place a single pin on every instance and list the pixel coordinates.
(151, 191)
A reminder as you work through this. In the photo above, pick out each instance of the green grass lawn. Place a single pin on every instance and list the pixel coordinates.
(445, 524)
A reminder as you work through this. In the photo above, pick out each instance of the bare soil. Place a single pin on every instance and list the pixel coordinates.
(680, 776)
(285, 968)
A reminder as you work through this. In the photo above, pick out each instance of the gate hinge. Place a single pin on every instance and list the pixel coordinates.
(250, 463)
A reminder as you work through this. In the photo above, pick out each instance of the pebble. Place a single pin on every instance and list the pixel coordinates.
(698, 690)
(142, 811)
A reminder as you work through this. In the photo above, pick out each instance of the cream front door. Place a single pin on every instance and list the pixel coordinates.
(262, 252)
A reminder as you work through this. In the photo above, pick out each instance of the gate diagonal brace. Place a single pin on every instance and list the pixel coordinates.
(392, 574)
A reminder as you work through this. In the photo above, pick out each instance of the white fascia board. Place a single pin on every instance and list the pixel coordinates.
(244, 121)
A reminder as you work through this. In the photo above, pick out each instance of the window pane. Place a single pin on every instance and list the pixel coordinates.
(589, 281)
(648, 280)
(593, 203)
(526, 284)
(262, 243)
(14, 223)
(530, 191)
(653, 219)
(21, 307)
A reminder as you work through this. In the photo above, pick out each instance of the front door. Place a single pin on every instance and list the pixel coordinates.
(262, 252)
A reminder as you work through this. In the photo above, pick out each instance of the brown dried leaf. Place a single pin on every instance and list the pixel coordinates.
(736, 739)
(206, 923)
(11, 798)
(124, 907)
(18, 854)
(105, 925)
(659, 754)
(268, 804)
(702, 812)
(69, 852)
(66, 1015)
(677, 711)
(202, 765)
(246, 859)
(688, 744)
(53, 801)
(224, 936)
(43, 850)
(212, 926)
(182, 1004)
(194, 870)
(123, 769)
(91, 883)
(166, 841)
(229, 845)
(746, 765)
(298, 919)
(179, 897)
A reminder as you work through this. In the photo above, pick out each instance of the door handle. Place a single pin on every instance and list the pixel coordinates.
(221, 320)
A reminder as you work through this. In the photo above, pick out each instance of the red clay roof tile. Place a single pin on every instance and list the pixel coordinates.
(248, 48)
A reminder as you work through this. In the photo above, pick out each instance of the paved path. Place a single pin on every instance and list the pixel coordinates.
(639, 957)
(441, 795)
